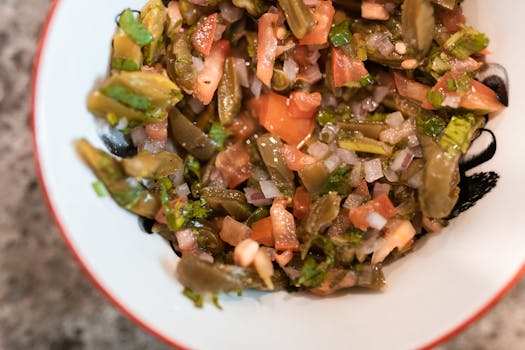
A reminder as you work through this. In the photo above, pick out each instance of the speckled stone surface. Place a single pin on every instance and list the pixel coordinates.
(46, 302)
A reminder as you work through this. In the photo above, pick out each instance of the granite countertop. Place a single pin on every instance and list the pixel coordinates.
(46, 301)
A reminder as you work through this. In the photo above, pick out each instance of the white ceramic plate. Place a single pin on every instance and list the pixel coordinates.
(431, 295)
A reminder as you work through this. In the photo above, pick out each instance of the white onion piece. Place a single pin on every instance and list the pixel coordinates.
(219, 30)
(353, 200)
(122, 124)
(373, 170)
(356, 175)
(245, 252)
(395, 120)
(197, 63)
(183, 190)
(413, 141)
(417, 151)
(329, 132)
(318, 150)
(138, 135)
(402, 160)
(242, 72)
(269, 189)
(370, 245)
(264, 267)
(256, 87)
(152, 146)
(451, 101)
(196, 106)
(290, 69)
(256, 197)
(391, 175)
(332, 162)
(347, 156)
(229, 12)
(259, 174)
(380, 188)
(375, 220)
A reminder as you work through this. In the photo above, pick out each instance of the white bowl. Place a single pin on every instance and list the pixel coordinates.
(432, 293)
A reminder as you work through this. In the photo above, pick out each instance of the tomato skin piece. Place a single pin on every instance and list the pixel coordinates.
(204, 33)
(304, 105)
(262, 232)
(452, 19)
(301, 203)
(410, 88)
(209, 77)
(283, 226)
(346, 69)
(267, 47)
(158, 131)
(295, 159)
(381, 205)
(273, 113)
(234, 164)
(323, 17)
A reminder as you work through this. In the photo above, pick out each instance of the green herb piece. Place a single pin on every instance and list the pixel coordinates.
(366, 80)
(192, 169)
(132, 27)
(340, 34)
(100, 189)
(458, 133)
(461, 84)
(121, 63)
(218, 135)
(466, 42)
(338, 182)
(127, 199)
(432, 126)
(127, 97)
(325, 116)
(354, 236)
(197, 299)
(436, 98)
(215, 300)
(312, 274)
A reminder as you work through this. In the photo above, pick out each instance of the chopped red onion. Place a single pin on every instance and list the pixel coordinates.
(122, 124)
(256, 87)
(152, 146)
(219, 30)
(417, 151)
(413, 141)
(402, 160)
(380, 188)
(329, 100)
(375, 220)
(197, 63)
(391, 175)
(256, 197)
(186, 240)
(229, 12)
(138, 136)
(311, 74)
(204, 256)
(380, 93)
(196, 106)
(356, 175)
(274, 9)
(353, 200)
(347, 156)
(177, 177)
(269, 189)
(332, 162)
(259, 174)
(242, 72)
(217, 180)
(381, 42)
(395, 120)
(183, 190)
(290, 69)
(362, 108)
(373, 170)
(318, 150)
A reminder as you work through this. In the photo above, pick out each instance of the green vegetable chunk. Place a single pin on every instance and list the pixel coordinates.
(189, 136)
(152, 16)
(153, 166)
(466, 42)
(338, 182)
(127, 97)
(270, 147)
(340, 34)
(418, 24)
(298, 16)
(127, 55)
(218, 135)
(229, 93)
(132, 27)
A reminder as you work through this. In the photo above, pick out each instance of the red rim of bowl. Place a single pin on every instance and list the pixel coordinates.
(164, 338)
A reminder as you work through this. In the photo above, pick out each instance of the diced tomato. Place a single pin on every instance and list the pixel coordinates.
(157, 131)
(328, 287)
(284, 258)
(283, 226)
(233, 232)
(362, 189)
(463, 66)
(234, 164)
(478, 98)
(346, 69)
(243, 126)
(410, 88)
(301, 203)
(262, 232)
(272, 111)
(398, 233)
(452, 19)
(161, 214)
(323, 16)
(374, 11)
(310, 74)
(211, 74)
(186, 241)
(266, 46)
(295, 159)
(204, 33)
(300, 55)
(381, 205)
(304, 105)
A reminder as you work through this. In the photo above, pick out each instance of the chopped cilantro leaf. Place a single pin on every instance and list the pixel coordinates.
(340, 34)
(325, 116)
(218, 135)
(436, 98)
(196, 298)
(338, 181)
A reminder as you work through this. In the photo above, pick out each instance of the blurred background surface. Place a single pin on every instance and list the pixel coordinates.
(46, 301)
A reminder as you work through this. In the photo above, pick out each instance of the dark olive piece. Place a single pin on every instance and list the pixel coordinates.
(117, 142)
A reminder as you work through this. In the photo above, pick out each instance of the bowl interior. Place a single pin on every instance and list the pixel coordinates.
(439, 286)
